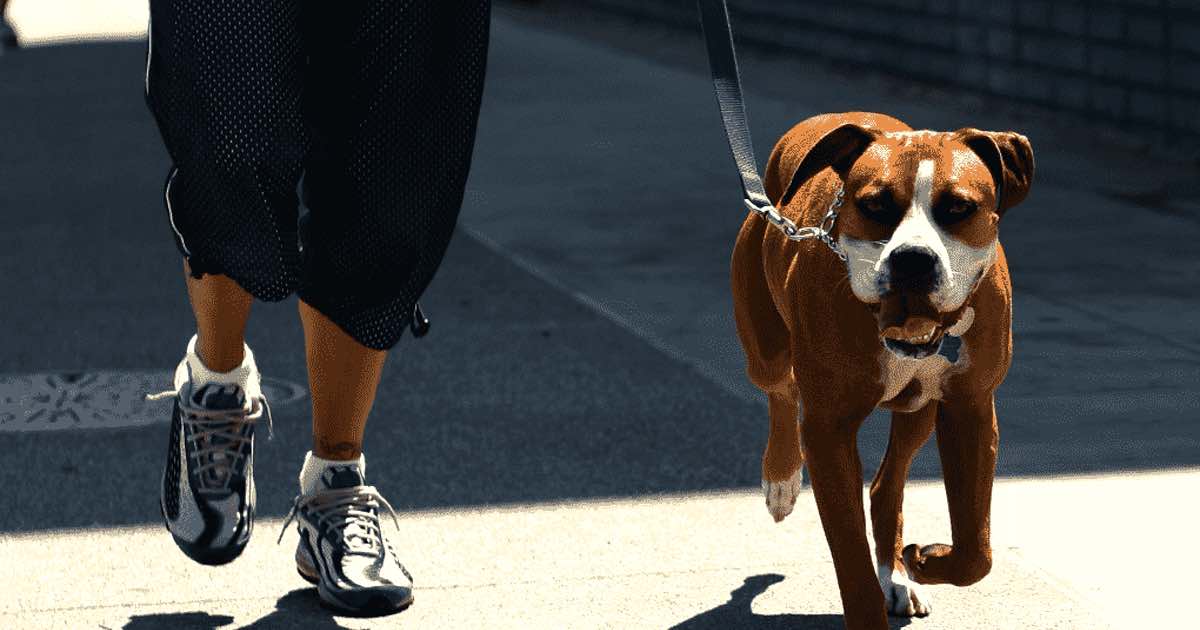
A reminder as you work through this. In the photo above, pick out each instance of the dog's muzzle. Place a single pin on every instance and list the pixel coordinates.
(913, 269)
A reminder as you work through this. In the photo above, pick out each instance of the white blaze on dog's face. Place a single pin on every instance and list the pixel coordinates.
(920, 220)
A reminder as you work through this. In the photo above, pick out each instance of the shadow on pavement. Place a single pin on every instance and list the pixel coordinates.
(195, 620)
(299, 609)
(737, 613)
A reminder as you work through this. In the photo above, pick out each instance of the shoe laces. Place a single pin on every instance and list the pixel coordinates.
(353, 513)
(217, 437)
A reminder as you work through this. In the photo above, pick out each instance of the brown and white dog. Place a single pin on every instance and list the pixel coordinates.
(838, 339)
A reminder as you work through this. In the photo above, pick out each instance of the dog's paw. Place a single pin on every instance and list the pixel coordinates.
(904, 597)
(781, 495)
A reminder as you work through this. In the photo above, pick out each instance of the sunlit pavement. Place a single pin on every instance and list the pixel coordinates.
(642, 563)
(582, 348)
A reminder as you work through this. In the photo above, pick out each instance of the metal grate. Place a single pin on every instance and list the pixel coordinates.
(58, 401)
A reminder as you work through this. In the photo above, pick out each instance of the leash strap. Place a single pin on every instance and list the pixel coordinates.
(718, 35)
(727, 83)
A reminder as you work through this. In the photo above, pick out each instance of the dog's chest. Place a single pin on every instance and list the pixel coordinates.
(909, 384)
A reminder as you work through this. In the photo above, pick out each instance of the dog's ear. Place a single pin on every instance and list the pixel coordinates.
(1009, 157)
(837, 149)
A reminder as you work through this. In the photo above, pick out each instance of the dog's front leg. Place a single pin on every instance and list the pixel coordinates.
(831, 453)
(967, 437)
(782, 459)
(909, 433)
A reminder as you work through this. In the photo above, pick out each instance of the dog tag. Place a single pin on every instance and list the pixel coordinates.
(950, 346)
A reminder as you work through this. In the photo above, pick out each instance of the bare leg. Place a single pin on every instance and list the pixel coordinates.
(342, 376)
(221, 308)
(909, 432)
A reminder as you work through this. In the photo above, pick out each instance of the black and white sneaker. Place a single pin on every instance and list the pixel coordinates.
(207, 497)
(342, 548)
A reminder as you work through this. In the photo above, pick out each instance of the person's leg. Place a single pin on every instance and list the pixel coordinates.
(393, 99)
(342, 375)
(221, 308)
(223, 80)
(223, 83)
(391, 149)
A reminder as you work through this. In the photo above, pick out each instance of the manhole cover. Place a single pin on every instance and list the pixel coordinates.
(99, 400)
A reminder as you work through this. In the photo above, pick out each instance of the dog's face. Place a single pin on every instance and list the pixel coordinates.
(920, 219)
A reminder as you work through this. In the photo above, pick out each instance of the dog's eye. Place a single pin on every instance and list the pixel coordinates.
(961, 206)
(875, 204)
(879, 207)
(953, 209)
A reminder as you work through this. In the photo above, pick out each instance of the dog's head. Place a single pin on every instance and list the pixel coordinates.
(919, 221)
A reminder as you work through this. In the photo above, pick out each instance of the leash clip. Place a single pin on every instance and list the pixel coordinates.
(821, 232)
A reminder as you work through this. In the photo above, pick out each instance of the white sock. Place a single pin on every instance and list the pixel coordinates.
(244, 375)
(310, 474)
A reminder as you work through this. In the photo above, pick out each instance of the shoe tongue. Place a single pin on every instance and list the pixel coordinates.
(219, 396)
(358, 535)
(343, 476)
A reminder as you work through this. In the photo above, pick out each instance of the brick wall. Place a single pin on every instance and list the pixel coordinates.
(1132, 62)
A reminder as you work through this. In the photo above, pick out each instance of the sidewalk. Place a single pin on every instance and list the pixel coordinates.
(713, 561)
(574, 446)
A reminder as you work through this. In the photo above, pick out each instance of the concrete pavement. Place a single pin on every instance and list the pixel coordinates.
(574, 445)
(711, 561)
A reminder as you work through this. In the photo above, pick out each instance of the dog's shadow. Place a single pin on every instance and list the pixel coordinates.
(736, 612)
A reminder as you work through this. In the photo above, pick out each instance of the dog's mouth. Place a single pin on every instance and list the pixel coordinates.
(910, 325)
(917, 338)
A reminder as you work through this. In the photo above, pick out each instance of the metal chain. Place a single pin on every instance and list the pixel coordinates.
(796, 233)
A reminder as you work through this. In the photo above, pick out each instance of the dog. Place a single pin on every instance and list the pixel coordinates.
(924, 270)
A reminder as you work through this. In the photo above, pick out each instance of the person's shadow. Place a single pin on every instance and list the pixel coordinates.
(195, 620)
(299, 609)
(736, 612)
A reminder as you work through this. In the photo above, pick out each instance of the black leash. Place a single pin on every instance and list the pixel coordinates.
(718, 36)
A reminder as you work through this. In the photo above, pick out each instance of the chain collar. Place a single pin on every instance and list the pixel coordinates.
(796, 233)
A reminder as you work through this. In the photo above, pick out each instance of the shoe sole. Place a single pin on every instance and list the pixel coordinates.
(206, 557)
(383, 607)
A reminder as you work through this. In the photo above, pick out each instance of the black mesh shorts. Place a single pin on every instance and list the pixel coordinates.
(368, 108)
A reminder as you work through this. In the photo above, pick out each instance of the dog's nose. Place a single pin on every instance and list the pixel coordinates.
(913, 267)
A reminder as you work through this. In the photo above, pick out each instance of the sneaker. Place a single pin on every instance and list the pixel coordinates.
(207, 498)
(342, 548)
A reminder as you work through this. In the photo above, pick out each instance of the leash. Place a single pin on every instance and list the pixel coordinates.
(718, 36)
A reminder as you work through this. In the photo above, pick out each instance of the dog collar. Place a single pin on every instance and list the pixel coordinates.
(822, 232)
